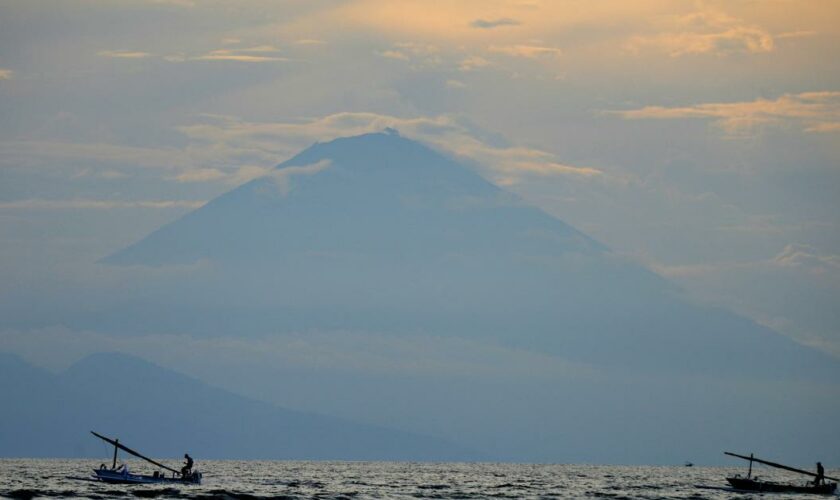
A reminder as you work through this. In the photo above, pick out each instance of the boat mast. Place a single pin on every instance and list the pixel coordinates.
(117, 445)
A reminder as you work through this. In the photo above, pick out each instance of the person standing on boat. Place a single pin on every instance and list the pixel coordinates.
(186, 470)
(820, 479)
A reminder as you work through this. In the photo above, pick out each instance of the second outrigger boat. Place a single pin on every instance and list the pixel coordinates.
(121, 475)
(752, 483)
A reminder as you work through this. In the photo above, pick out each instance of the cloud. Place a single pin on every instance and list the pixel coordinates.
(811, 111)
(503, 164)
(201, 175)
(236, 177)
(455, 84)
(793, 292)
(283, 177)
(6, 74)
(465, 21)
(418, 49)
(794, 257)
(87, 204)
(101, 173)
(256, 54)
(824, 127)
(260, 49)
(494, 23)
(310, 41)
(124, 54)
(473, 62)
(203, 163)
(226, 55)
(807, 257)
(528, 51)
(796, 34)
(704, 32)
(38, 152)
(421, 55)
(551, 168)
(394, 54)
(740, 39)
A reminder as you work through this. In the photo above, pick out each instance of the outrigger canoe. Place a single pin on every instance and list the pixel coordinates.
(121, 475)
(753, 483)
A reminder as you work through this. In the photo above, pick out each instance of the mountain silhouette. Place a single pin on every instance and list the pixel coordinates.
(381, 233)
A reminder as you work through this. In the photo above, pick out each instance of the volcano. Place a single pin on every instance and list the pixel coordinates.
(381, 233)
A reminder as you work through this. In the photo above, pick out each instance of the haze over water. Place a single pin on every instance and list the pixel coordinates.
(371, 480)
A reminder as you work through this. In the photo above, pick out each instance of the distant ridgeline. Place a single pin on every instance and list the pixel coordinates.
(49, 415)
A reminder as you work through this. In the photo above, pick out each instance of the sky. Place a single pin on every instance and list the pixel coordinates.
(700, 139)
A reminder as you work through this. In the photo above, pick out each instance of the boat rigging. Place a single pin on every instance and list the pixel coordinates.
(752, 483)
(122, 475)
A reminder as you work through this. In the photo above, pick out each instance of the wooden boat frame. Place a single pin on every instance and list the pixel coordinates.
(753, 484)
(114, 475)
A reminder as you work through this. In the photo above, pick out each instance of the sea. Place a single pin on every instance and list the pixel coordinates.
(229, 479)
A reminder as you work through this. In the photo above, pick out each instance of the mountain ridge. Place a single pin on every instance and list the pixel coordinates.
(162, 412)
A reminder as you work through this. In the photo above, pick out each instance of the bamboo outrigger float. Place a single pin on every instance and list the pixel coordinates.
(752, 483)
(121, 475)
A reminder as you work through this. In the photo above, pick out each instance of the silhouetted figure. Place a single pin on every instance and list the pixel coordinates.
(820, 479)
(186, 470)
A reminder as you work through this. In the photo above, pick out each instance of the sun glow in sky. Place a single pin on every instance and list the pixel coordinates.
(699, 138)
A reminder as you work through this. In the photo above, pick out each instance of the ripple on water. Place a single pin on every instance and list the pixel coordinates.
(27, 479)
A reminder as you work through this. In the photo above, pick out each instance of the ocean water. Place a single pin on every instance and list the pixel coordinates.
(31, 478)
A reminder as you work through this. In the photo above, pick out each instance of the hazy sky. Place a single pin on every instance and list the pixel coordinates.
(699, 138)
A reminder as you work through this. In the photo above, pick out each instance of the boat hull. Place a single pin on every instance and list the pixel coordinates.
(119, 477)
(746, 484)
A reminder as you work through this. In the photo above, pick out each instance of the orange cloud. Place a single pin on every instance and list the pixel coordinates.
(124, 54)
(528, 51)
(223, 55)
(256, 54)
(474, 62)
(708, 31)
(813, 111)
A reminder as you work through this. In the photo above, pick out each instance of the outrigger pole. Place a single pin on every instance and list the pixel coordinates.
(779, 466)
(117, 445)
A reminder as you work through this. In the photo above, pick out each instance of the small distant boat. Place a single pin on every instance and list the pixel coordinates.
(689, 464)
(121, 475)
(753, 483)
